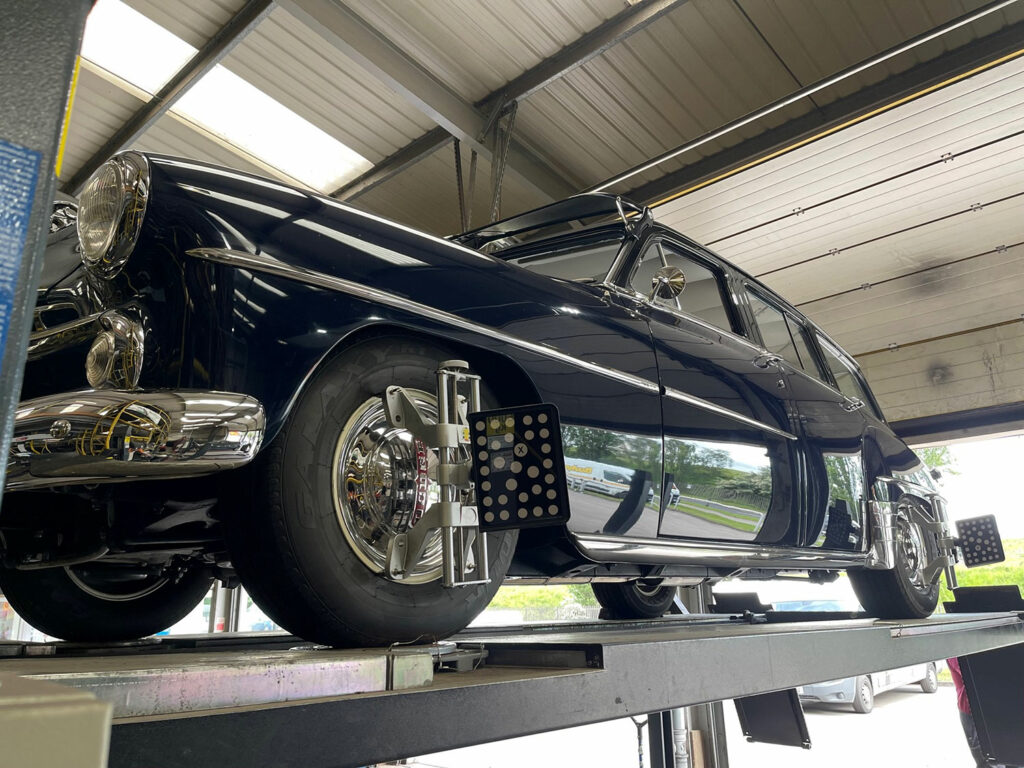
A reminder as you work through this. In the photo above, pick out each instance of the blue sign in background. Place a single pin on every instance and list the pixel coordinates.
(19, 171)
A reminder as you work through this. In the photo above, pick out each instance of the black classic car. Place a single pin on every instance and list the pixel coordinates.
(230, 378)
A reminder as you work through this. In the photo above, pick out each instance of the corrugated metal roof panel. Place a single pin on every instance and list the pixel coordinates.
(173, 135)
(309, 76)
(194, 21)
(101, 107)
(962, 115)
(474, 48)
(425, 196)
(694, 69)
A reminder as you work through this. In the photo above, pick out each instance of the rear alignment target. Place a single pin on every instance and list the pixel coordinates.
(518, 467)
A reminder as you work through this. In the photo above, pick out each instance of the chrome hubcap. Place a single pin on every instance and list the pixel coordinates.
(911, 545)
(381, 486)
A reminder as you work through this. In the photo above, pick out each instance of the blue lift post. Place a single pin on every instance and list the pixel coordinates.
(39, 44)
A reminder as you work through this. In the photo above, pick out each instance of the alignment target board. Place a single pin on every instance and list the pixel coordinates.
(519, 467)
(980, 542)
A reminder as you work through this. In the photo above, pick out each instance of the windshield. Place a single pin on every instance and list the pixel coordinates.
(588, 263)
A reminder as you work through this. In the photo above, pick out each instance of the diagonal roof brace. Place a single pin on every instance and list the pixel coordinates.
(352, 36)
(613, 31)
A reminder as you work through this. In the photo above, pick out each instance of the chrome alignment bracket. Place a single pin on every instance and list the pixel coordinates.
(944, 540)
(463, 550)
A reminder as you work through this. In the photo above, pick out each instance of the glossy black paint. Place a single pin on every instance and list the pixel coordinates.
(216, 326)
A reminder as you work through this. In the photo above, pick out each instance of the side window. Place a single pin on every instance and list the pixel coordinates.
(702, 294)
(843, 372)
(782, 335)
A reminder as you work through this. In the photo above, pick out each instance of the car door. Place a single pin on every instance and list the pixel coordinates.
(611, 427)
(831, 426)
(729, 445)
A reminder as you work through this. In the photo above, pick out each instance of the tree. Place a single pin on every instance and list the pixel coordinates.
(938, 457)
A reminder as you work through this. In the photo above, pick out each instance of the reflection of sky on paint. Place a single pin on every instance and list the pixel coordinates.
(988, 482)
(746, 457)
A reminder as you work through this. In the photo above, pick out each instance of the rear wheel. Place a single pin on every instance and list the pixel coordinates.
(903, 592)
(100, 602)
(332, 490)
(864, 695)
(639, 599)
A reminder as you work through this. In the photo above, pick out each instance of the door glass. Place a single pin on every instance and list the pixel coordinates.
(586, 263)
(702, 292)
(843, 373)
(774, 329)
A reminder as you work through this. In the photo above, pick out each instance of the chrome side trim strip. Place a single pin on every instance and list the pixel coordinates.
(625, 549)
(272, 266)
(64, 335)
(109, 435)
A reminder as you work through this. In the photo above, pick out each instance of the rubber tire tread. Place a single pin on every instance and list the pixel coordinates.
(890, 595)
(622, 600)
(859, 705)
(54, 604)
(288, 546)
(930, 683)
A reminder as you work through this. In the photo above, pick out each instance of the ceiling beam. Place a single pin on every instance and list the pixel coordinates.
(379, 57)
(929, 74)
(205, 59)
(607, 35)
(576, 54)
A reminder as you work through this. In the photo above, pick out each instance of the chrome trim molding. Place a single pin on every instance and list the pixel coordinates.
(626, 549)
(96, 436)
(882, 516)
(64, 335)
(273, 266)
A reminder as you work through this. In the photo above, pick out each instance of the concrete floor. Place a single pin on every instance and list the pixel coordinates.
(907, 728)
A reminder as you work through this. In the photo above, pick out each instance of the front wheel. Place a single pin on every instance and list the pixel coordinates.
(637, 599)
(329, 494)
(903, 592)
(99, 602)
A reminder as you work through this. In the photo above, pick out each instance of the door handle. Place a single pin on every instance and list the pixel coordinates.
(851, 404)
(766, 360)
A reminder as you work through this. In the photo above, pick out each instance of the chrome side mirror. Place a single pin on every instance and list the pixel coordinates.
(668, 282)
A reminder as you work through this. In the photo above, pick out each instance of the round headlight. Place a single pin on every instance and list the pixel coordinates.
(110, 212)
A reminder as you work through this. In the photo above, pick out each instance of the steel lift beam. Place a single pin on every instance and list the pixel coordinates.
(269, 701)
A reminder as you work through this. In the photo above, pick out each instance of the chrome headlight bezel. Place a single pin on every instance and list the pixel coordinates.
(110, 212)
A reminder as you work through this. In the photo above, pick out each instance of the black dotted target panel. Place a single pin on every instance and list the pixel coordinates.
(980, 543)
(518, 467)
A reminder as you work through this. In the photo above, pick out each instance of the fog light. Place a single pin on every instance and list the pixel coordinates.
(99, 363)
(115, 357)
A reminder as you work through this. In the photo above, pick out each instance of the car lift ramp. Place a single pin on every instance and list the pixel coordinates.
(255, 700)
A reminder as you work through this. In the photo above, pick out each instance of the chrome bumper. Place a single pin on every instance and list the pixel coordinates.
(97, 436)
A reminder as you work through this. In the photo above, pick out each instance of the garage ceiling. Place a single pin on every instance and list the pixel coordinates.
(922, 202)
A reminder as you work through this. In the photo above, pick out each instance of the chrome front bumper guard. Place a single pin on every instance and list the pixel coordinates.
(102, 436)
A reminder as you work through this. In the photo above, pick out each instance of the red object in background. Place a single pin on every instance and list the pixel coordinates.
(962, 702)
(219, 626)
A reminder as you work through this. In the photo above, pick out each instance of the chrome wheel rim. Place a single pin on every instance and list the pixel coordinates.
(911, 546)
(381, 486)
(132, 591)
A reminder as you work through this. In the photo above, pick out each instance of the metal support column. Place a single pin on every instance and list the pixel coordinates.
(40, 43)
(708, 718)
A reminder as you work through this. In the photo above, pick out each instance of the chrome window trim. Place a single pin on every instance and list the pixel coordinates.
(273, 266)
(712, 554)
